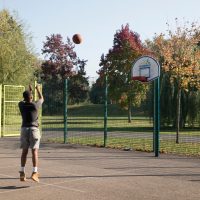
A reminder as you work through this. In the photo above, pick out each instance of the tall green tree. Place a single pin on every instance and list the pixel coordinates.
(79, 85)
(97, 92)
(117, 63)
(194, 108)
(17, 60)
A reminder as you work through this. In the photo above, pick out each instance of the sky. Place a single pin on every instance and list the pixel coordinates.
(98, 20)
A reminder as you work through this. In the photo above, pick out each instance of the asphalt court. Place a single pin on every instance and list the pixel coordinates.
(79, 172)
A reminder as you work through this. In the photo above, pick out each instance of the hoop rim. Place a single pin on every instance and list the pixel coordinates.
(140, 78)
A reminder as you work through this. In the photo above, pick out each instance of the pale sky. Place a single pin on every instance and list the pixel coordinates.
(98, 20)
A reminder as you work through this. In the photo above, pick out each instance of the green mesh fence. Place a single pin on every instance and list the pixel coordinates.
(189, 133)
(85, 125)
(11, 115)
(52, 112)
(189, 142)
(135, 133)
(84, 121)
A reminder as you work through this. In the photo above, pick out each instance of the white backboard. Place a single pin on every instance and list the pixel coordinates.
(145, 69)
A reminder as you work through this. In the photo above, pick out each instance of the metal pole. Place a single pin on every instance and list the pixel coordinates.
(154, 114)
(0, 108)
(157, 116)
(65, 110)
(105, 110)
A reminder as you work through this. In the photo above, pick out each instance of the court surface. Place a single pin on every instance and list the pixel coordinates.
(89, 173)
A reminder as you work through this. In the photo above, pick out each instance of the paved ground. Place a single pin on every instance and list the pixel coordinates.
(88, 173)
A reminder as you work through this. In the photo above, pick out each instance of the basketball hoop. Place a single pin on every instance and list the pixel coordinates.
(145, 69)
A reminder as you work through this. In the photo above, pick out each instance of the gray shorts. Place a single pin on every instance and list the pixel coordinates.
(30, 137)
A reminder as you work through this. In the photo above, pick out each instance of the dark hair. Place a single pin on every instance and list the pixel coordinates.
(27, 94)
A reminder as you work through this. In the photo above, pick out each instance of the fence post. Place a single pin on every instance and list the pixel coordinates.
(4, 112)
(0, 108)
(65, 110)
(105, 109)
(157, 116)
(154, 114)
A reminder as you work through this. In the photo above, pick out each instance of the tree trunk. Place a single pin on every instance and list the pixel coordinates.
(129, 111)
(178, 115)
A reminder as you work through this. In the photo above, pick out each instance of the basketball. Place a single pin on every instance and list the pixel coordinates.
(77, 38)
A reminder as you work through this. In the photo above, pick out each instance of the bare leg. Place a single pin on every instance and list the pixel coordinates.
(35, 157)
(24, 157)
(35, 175)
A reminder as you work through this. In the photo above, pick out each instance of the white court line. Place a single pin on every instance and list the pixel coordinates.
(43, 185)
(7, 176)
(7, 167)
(91, 177)
(62, 187)
(61, 172)
(58, 186)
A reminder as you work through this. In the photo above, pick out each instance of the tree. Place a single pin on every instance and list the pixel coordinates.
(60, 58)
(181, 59)
(127, 47)
(61, 63)
(17, 60)
(189, 98)
(194, 108)
(79, 85)
(97, 93)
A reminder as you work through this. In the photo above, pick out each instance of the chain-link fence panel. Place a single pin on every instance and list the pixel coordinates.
(12, 94)
(52, 111)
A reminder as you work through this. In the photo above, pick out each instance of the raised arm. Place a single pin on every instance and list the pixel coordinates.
(30, 88)
(39, 93)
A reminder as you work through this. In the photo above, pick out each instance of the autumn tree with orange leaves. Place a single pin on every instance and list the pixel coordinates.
(180, 55)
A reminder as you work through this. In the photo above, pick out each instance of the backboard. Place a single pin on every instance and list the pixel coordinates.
(145, 69)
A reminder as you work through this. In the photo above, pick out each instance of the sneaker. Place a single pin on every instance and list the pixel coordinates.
(35, 176)
(22, 176)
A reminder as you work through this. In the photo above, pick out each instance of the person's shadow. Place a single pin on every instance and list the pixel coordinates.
(12, 187)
